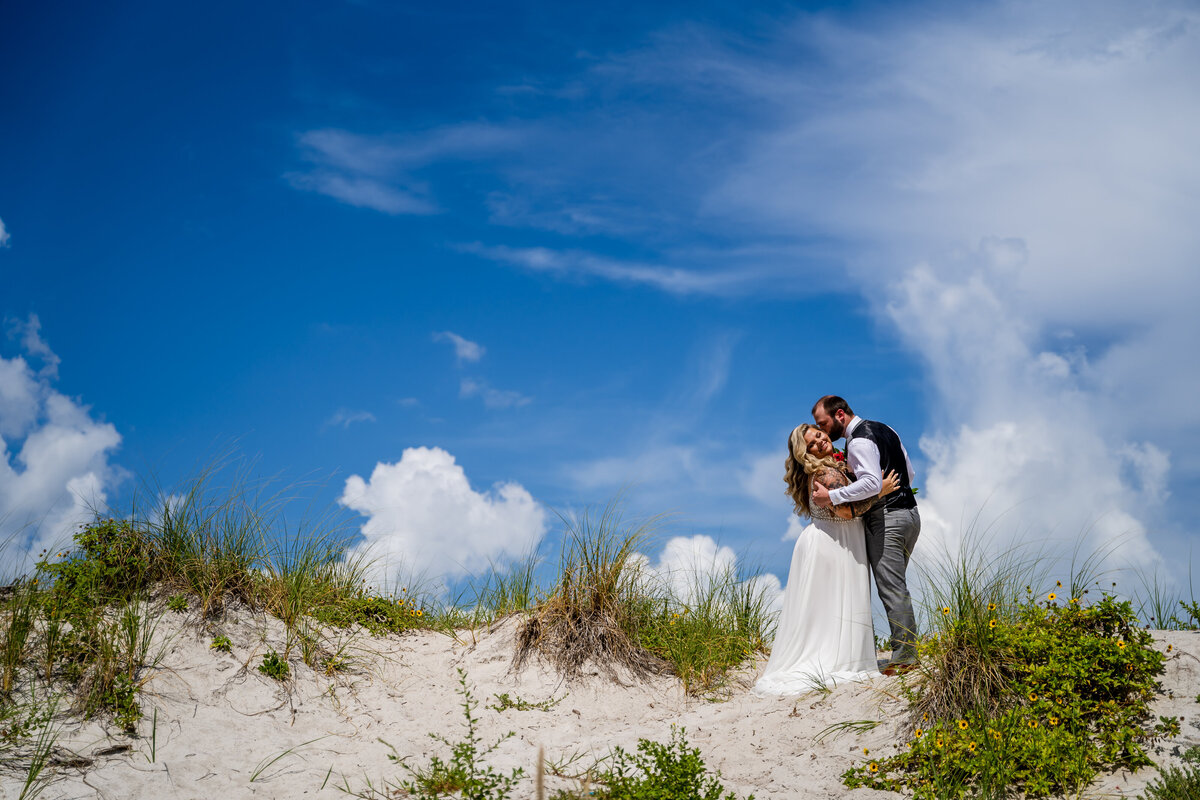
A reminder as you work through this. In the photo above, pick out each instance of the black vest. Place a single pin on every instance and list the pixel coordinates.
(891, 457)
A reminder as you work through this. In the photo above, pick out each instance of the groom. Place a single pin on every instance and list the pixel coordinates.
(893, 524)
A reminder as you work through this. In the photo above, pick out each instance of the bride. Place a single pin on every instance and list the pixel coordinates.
(825, 635)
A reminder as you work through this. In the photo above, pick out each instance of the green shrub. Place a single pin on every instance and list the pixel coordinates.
(111, 563)
(275, 667)
(379, 615)
(671, 771)
(1072, 693)
(177, 603)
(221, 644)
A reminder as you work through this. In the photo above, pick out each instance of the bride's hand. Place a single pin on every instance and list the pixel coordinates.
(890, 483)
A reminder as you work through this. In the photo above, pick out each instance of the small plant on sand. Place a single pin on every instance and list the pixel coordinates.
(275, 667)
(177, 603)
(1178, 783)
(464, 775)
(221, 644)
(505, 702)
(658, 771)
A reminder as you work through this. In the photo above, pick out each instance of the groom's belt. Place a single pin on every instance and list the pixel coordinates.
(896, 501)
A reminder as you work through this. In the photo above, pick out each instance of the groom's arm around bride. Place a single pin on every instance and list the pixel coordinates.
(892, 524)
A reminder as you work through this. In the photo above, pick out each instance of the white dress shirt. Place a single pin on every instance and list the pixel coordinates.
(862, 456)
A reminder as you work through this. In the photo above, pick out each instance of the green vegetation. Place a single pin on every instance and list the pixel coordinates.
(505, 702)
(275, 667)
(657, 771)
(221, 644)
(1022, 692)
(1178, 783)
(465, 774)
(608, 610)
(177, 603)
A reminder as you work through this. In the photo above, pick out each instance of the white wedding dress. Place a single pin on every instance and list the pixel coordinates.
(825, 635)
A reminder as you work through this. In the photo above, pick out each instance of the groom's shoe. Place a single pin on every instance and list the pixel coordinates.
(892, 670)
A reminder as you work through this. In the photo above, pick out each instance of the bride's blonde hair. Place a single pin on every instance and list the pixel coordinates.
(799, 466)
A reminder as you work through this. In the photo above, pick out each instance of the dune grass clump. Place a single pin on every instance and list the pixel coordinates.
(1024, 693)
(608, 609)
(591, 614)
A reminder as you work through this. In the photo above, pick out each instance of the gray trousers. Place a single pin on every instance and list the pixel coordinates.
(891, 537)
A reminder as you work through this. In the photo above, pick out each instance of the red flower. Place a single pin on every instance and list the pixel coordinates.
(838, 455)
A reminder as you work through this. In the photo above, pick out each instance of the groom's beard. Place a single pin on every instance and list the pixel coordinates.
(838, 431)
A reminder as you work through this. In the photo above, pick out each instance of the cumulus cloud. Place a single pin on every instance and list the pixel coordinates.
(54, 457)
(464, 349)
(688, 565)
(423, 517)
(492, 397)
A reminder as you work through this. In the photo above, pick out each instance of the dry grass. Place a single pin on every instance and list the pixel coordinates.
(590, 615)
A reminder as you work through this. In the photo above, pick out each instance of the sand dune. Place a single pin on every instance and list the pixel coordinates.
(215, 727)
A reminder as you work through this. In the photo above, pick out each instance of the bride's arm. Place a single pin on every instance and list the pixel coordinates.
(890, 483)
(836, 479)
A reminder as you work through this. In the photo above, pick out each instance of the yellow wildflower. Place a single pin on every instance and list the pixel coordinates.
(945, 609)
(962, 724)
(918, 732)
(866, 752)
(1051, 596)
(992, 624)
(1033, 697)
(991, 606)
(1054, 720)
(971, 746)
(874, 767)
(1120, 644)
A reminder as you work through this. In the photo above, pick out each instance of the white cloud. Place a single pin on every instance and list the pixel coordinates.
(364, 192)
(345, 417)
(464, 349)
(377, 172)
(29, 332)
(1020, 448)
(423, 517)
(4, 235)
(54, 458)
(492, 397)
(688, 565)
(670, 279)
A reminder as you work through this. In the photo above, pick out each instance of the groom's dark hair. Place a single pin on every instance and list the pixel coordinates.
(832, 404)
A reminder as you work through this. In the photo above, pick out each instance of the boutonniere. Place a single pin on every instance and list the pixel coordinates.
(839, 456)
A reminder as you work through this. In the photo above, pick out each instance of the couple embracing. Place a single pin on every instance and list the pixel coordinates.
(864, 521)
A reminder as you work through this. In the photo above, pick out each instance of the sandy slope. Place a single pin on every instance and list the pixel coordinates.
(219, 721)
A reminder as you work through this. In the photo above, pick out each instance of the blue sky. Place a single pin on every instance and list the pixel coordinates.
(471, 265)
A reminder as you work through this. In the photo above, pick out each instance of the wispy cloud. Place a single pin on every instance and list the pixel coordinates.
(464, 349)
(575, 264)
(29, 333)
(380, 172)
(4, 235)
(492, 397)
(345, 417)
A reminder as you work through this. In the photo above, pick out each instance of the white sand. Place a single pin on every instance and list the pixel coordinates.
(220, 721)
